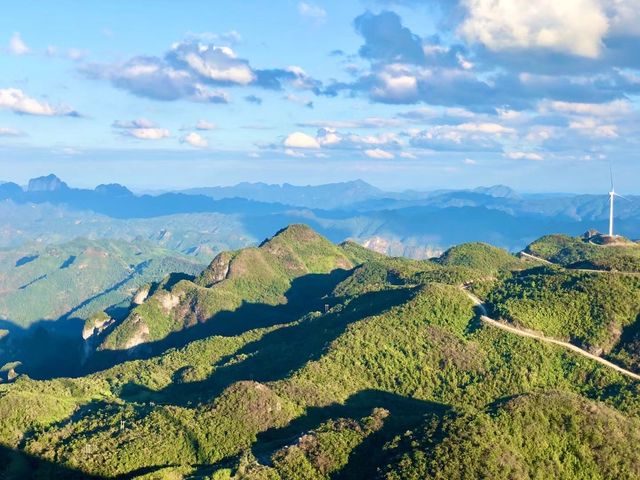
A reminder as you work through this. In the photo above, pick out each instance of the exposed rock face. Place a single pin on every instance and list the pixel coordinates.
(217, 271)
(50, 183)
(140, 296)
(96, 325)
(141, 334)
(168, 300)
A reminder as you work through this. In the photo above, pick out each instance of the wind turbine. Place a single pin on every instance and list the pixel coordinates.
(612, 195)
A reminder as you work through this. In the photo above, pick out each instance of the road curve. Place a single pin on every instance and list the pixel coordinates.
(530, 334)
(587, 270)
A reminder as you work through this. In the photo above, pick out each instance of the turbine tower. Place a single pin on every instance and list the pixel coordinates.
(612, 195)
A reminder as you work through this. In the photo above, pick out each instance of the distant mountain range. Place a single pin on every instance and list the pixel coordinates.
(206, 220)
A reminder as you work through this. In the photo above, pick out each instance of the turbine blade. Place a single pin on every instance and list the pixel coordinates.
(622, 197)
(611, 174)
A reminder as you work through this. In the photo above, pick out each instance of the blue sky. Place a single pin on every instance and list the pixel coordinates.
(408, 94)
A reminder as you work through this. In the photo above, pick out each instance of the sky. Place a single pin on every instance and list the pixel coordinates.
(420, 94)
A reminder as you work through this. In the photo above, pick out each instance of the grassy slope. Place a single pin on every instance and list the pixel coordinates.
(394, 370)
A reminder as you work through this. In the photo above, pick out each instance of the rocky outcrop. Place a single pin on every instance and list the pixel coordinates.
(140, 296)
(217, 270)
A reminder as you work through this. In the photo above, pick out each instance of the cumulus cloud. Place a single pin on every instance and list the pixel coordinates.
(574, 26)
(195, 71)
(151, 77)
(509, 55)
(331, 138)
(216, 64)
(379, 154)
(17, 45)
(387, 39)
(462, 137)
(195, 140)
(141, 129)
(17, 101)
(301, 140)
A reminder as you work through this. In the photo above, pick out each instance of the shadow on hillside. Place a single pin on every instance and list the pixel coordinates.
(404, 413)
(16, 465)
(306, 294)
(47, 348)
(276, 354)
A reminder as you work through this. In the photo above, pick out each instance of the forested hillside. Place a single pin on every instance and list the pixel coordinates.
(301, 359)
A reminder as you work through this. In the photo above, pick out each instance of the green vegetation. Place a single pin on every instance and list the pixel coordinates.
(325, 361)
(480, 256)
(583, 253)
(79, 278)
(550, 435)
(590, 309)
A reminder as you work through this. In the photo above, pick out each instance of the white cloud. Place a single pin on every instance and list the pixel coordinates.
(141, 129)
(469, 161)
(294, 153)
(205, 125)
(301, 140)
(17, 101)
(611, 109)
(379, 154)
(572, 26)
(330, 138)
(397, 84)
(195, 140)
(488, 128)
(524, 156)
(17, 45)
(149, 133)
(216, 63)
(463, 137)
(311, 11)
(591, 127)
(10, 132)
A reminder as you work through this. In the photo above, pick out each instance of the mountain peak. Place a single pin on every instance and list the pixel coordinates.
(498, 191)
(296, 231)
(113, 189)
(49, 183)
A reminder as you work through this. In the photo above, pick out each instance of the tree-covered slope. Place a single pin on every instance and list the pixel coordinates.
(583, 252)
(382, 370)
(269, 275)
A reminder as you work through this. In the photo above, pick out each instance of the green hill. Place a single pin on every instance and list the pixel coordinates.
(583, 252)
(320, 361)
(253, 276)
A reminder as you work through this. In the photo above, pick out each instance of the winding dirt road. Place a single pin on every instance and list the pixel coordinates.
(530, 334)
